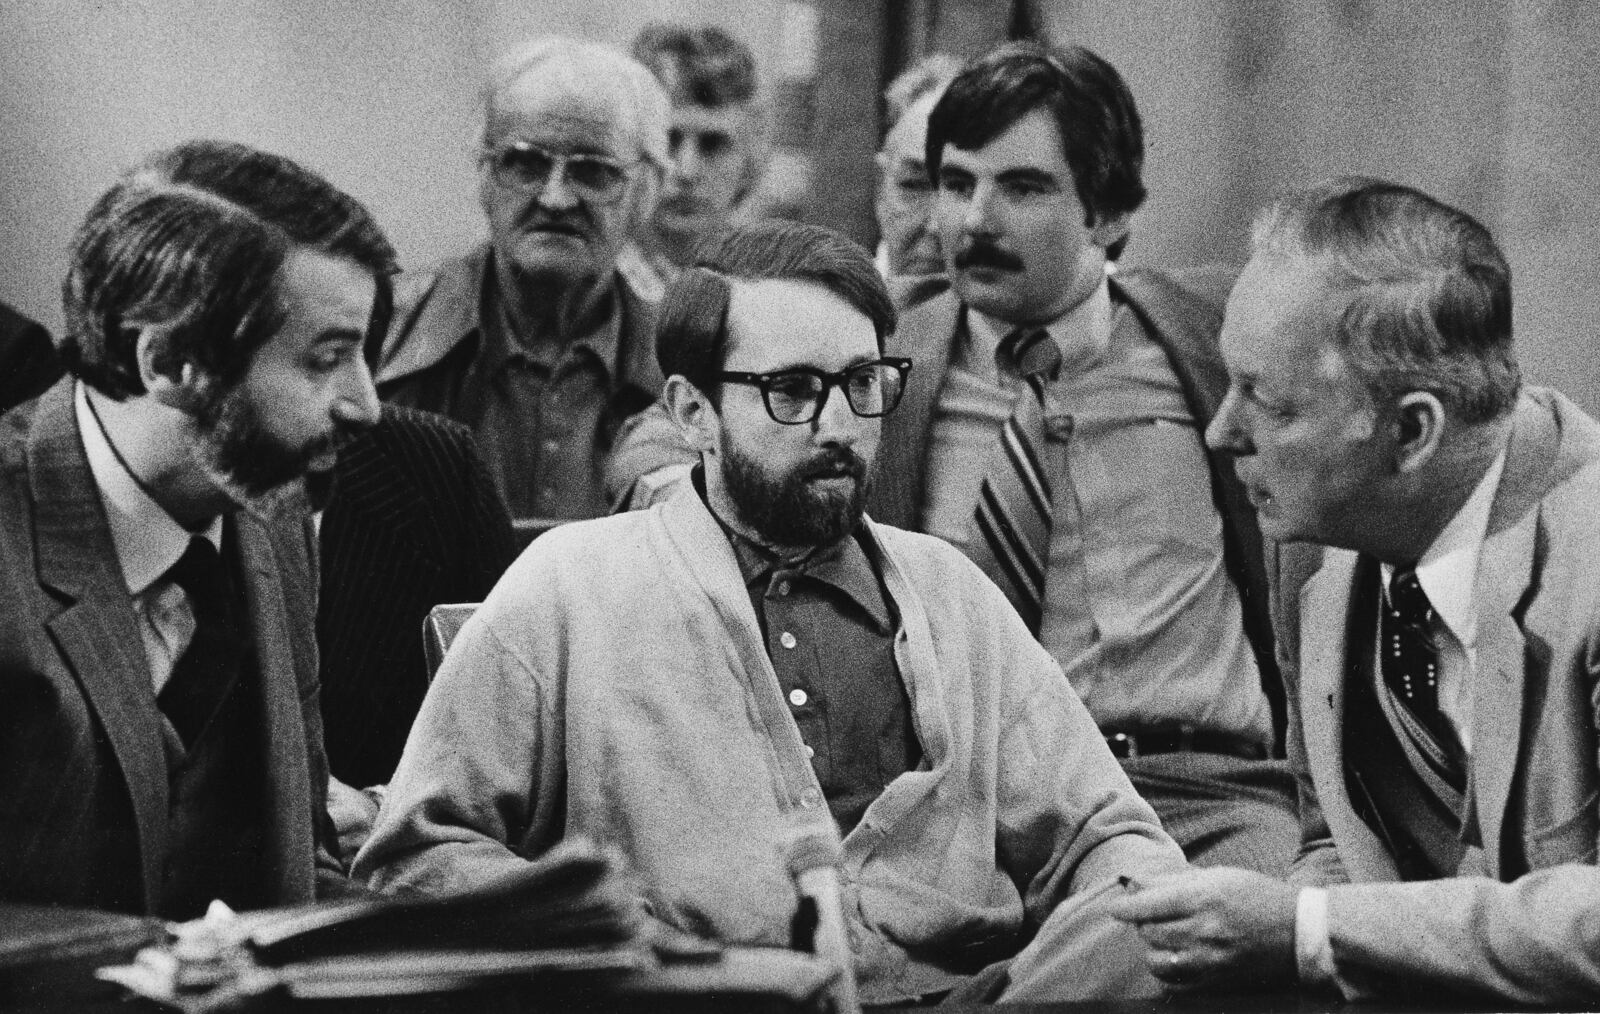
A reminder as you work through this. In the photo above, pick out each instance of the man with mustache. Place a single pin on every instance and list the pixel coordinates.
(533, 340)
(754, 657)
(1052, 431)
(160, 737)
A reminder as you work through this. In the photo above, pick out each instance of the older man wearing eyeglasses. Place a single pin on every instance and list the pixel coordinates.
(699, 681)
(533, 339)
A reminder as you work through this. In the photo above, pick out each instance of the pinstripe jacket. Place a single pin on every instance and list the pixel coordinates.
(83, 778)
(414, 520)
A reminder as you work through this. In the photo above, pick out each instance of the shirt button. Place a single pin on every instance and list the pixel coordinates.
(810, 751)
(797, 697)
(551, 445)
(810, 798)
(786, 639)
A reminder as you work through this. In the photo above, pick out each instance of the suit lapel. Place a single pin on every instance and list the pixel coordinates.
(288, 778)
(1327, 621)
(1324, 605)
(97, 631)
(1505, 572)
(926, 336)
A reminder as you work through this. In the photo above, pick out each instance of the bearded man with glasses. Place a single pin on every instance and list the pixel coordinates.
(697, 681)
(533, 339)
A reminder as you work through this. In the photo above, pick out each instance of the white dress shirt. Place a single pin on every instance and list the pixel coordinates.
(1448, 573)
(148, 542)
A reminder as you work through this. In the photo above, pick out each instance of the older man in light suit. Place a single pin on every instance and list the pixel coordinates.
(1441, 651)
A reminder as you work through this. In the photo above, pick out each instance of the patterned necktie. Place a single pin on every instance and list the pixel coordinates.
(1012, 522)
(1410, 654)
(205, 672)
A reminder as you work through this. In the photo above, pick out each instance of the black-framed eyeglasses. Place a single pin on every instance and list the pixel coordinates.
(530, 168)
(796, 396)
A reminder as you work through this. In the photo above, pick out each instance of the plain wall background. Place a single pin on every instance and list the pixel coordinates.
(1488, 104)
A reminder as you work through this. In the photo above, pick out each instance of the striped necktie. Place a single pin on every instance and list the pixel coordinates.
(1012, 521)
(1409, 660)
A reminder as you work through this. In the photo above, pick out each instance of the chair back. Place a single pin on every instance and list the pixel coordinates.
(439, 629)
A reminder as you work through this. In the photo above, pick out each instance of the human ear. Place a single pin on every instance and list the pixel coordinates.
(1109, 229)
(1419, 425)
(646, 194)
(174, 382)
(697, 419)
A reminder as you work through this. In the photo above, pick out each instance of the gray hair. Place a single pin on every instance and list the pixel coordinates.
(573, 59)
(1427, 292)
(931, 73)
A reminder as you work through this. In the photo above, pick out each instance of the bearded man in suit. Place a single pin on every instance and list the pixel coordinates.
(160, 738)
(1438, 621)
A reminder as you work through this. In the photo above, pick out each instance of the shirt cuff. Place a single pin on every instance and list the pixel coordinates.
(1313, 951)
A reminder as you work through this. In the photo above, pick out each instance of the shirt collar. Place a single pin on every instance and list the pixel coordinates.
(601, 340)
(1448, 570)
(843, 565)
(147, 539)
(1083, 333)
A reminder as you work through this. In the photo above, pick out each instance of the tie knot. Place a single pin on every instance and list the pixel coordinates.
(199, 572)
(1407, 598)
(1034, 352)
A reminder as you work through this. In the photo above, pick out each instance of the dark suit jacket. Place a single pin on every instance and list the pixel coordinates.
(1180, 320)
(83, 778)
(1534, 790)
(28, 362)
(414, 521)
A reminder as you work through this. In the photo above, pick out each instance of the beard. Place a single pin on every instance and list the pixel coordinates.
(257, 470)
(787, 510)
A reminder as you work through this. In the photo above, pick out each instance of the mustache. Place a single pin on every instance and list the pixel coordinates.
(835, 461)
(538, 217)
(984, 254)
(336, 440)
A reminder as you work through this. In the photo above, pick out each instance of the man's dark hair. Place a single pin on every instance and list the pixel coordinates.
(702, 66)
(194, 241)
(1425, 292)
(692, 336)
(1101, 134)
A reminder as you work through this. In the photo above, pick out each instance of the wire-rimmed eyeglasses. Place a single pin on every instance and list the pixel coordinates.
(797, 396)
(520, 165)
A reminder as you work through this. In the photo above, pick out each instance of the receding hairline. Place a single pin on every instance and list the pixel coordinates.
(584, 70)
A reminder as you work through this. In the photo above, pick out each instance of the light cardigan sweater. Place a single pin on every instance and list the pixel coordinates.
(615, 684)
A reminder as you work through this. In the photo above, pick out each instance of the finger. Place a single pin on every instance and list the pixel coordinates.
(1172, 967)
(1160, 902)
(1173, 935)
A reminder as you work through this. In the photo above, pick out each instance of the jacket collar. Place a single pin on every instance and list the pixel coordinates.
(96, 629)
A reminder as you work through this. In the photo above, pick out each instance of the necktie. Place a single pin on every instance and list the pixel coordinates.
(206, 670)
(1410, 655)
(1013, 517)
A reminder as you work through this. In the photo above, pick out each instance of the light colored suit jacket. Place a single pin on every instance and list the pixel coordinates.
(1522, 921)
(83, 777)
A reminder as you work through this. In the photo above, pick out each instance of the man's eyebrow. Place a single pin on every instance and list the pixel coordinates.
(340, 334)
(813, 368)
(1028, 174)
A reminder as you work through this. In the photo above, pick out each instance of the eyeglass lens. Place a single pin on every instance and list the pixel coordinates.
(526, 167)
(872, 389)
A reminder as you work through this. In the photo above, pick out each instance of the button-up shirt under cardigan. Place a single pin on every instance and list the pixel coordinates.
(615, 685)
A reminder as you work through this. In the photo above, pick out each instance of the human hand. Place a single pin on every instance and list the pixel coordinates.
(354, 812)
(1213, 928)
